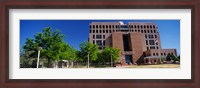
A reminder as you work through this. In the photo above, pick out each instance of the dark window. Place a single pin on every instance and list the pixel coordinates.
(103, 31)
(99, 26)
(135, 30)
(93, 31)
(93, 26)
(138, 30)
(161, 54)
(100, 48)
(145, 36)
(151, 42)
(109, 26)
(90, 26)
(145, 31)
(165, 54)
(90, 31)
(116, 26)
(154, 31)
(147, 48)
(93, 42)
(141, 26)
(96, 26)
(103, 26)
(93, 36)
(155, 36)
(152, 47)
(146, 42)
(150, 26)
(110, 31)
(113, 26)
(100, 31)
(113, 30)
(96, 31)
(144, 26)
(138, 26)
(147, 26)
(150, 36)
(154, 26)
(103, 36)
(106, 26)
(132, 26)
(135, 26)
(172, 54)
(157, 48)
(153, 54)
(104, 42)
(106, 31)
(156, 54)
(151, 31)
(142, 31)
(99, 43)
(98, 36)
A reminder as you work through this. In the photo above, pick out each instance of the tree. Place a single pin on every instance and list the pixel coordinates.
(88, 51)
(51, 43)
(111, 54)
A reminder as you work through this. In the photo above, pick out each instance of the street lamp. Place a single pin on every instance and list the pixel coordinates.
(38, 48)
(88, 60)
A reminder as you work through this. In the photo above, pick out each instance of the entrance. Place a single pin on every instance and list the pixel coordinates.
(128, 59)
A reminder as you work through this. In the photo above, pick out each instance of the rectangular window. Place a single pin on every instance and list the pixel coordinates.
(152, 47)
(104, 42)
(106, 31)
(142, 31)
(150, 36)
(155, 36)
(103, 36)
(145, 31)
(90, 31)
(100, 31)
(93, 36)
(154, 31)
(103, 31)
(161, 54)
(153, 54)
(93, 31)
(157, 48)
(93, 42)
(156, 54)
(96, 31)
(145, 36)
(99, 43)
(146, 42)
(98, 36)
(151, 42)
(110, 31)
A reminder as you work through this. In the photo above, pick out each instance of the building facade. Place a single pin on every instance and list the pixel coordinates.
(139, 42)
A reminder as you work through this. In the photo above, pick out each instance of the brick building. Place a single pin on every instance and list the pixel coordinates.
(139, 42)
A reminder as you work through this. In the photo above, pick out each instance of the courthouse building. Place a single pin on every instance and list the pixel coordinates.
(139, 42)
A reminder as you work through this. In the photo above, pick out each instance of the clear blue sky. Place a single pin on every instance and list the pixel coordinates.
(77, 31)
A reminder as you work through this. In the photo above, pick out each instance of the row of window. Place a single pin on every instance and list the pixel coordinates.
(151, 42)
(98, 37)
(150, 36)
(110, 31)
(152, 47)
(117, 26)
(99, 42)
(162, 54)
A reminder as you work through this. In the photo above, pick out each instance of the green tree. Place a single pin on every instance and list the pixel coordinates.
(51, 43)
(87, 48)
(111, 54)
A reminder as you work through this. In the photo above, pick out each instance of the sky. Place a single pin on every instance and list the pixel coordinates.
(77, 31)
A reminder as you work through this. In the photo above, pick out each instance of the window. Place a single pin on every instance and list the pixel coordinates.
(113, 26)
(142, 31)
(103, 26)
(150, 36)
(146, 42)
(100, 48)
(116, 26)
(96, 31)
(103, 36)
(103, 31)
(109, 26)
(93, 26)
(153, 54)
(98, 36)
(151, 31)
(90, 26)
(145, 31)
(154, 26)
(145, 36)
(106, 26)
(155, 36)
(135, 26)
(147, 48)
(147, 26)
(156, 54)
(90, 31)
(154, 31)
(99, 26)
(135, 30)
(144, 26)
(150, 26)
(106, 31)
(110, 31)
(104, 42)
(99, 43)
(113, 30)
(93, 36)
(93, 31)
(138, 30)
(157, 48)
(131, 26)
(161, 54)
(96, 26)
(152, 47)
(93, 42)
(151, 42)
(165, 54)
(138, 26)
(100, 31)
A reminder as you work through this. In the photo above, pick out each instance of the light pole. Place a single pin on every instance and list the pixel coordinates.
(38, 48)
(88, 60)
